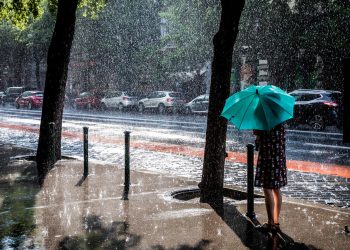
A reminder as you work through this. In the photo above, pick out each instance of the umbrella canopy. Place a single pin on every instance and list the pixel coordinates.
(259, 107)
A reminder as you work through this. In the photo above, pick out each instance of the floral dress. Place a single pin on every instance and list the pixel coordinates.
(271, 169)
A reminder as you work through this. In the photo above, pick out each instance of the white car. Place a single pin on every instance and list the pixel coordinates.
(162, 101)
(198, 105)
(119, 100)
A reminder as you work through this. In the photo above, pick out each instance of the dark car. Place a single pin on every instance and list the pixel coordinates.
(89, 100)
(11, 94)
(198, 105)
(317, 108)
(30, 100)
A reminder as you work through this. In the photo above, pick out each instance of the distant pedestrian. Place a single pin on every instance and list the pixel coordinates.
(271, 172)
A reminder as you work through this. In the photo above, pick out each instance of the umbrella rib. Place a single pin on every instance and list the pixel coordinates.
(246, 111)
(262, 106)
(250, 95)
(244, 97)
(280, 106)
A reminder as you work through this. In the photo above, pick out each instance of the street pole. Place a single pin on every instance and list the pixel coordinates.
(86, 151)
(127, 166)
(250, 182)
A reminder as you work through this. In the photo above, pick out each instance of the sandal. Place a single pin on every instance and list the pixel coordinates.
(266, 227)
(276, 228)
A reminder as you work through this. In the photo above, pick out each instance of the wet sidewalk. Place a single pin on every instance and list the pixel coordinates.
(70, 212)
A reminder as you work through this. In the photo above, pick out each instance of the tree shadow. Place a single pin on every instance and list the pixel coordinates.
(254, 239)
(201, 245)
(18, 188)
(98, 236)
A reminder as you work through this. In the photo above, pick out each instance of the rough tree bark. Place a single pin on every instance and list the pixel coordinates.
(214, 156)
(55, 84)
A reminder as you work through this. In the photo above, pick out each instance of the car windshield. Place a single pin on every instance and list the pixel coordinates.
(337, 97)
(112, 94)
(84, 94)
(305, 97)
(132, 93)
(14, 90)
(175, 94)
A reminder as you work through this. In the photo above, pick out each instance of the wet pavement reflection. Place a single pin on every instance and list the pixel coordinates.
(72, 212)
(17, 192)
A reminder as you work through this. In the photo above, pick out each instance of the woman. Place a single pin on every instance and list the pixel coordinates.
(271, 172)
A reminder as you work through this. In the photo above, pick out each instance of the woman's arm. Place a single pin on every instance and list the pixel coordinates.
(257, 133)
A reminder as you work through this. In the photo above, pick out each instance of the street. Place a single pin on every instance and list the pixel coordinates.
(324, 147)
(151, 134)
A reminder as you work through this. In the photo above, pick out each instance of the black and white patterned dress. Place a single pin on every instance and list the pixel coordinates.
(271, 169)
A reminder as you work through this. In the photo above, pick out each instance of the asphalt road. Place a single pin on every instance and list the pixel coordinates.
(302, 143)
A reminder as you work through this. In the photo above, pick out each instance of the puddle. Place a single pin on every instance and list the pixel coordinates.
(170, 215)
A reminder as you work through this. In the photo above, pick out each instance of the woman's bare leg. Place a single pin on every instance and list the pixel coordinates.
(277, 196)
(270, 204)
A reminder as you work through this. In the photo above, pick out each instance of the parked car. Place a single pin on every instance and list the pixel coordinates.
(89, 100)
(2, 94)
(120, 100)
(198, 105)
(30, 100)
(11, 94)
(318, 108)
(162, 101)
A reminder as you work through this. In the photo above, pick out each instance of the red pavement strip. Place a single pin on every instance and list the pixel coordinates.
(303, 166)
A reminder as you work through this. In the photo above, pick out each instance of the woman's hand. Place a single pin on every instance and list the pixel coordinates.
(257, 142)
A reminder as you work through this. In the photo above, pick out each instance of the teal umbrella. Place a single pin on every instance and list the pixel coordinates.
(259, 107)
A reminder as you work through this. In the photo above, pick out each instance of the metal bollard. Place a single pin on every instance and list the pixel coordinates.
(127, 166)
(86, 151)
(52, 141)
(250, 182)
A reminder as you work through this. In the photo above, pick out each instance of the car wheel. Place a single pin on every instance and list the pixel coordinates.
(339, 125)
(120, 107)
(17, 105)
(317, 122)
(188, 111)
(161, 108)
(30, 105)
(141, 108)
(104, 107)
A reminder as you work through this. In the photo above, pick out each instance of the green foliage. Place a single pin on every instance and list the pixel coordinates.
(91, 8)
(323, 29)
(190, 27)
(291, 36)
(124, 43)
(20, 12)
(124, 36)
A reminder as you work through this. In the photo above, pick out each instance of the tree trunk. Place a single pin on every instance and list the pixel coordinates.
(55, 84)
(214, 156)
